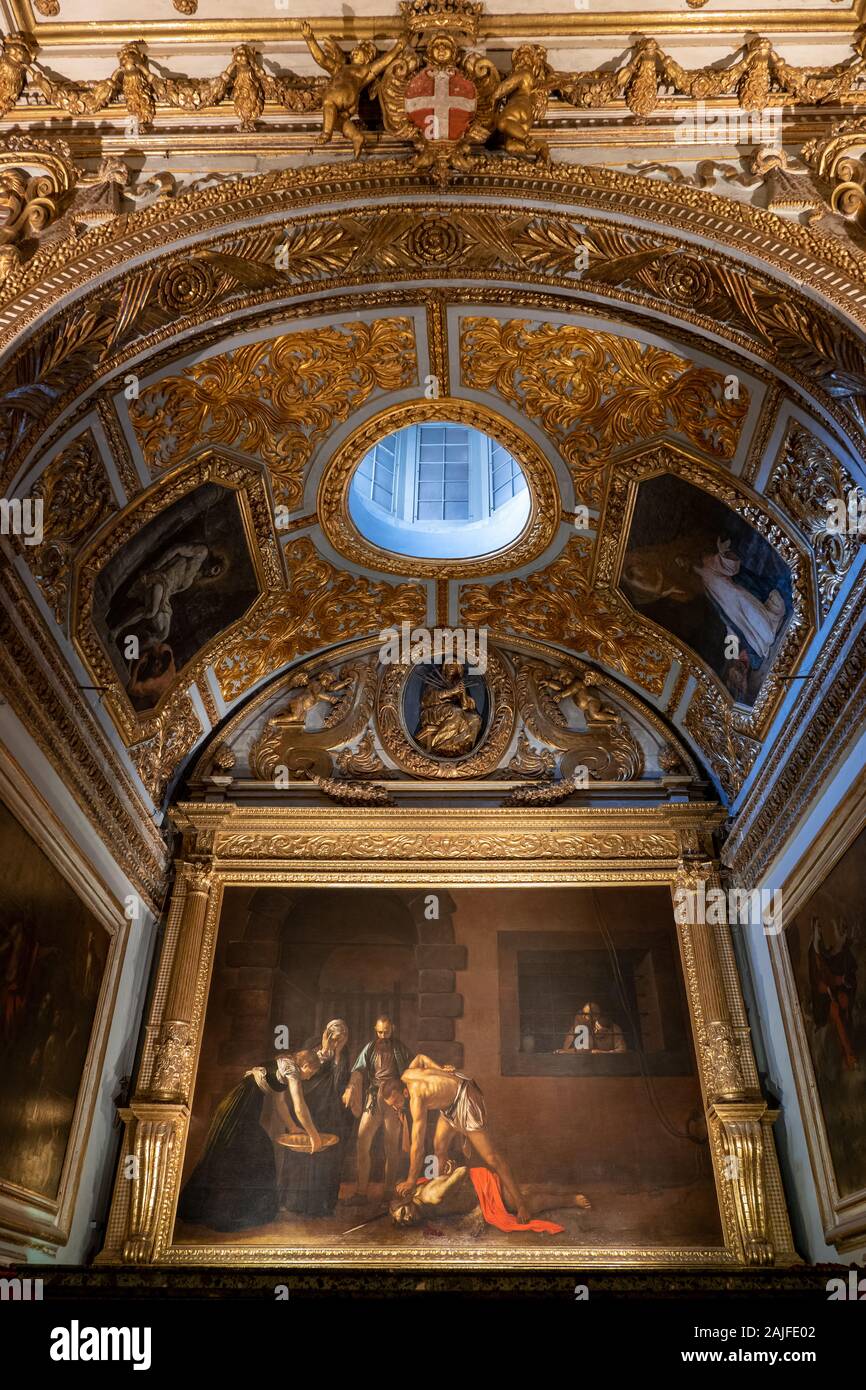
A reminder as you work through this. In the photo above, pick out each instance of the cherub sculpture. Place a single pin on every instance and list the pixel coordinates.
(323, 686)
(16, 55)
(525, 92)
(571, 684)
(342, 95)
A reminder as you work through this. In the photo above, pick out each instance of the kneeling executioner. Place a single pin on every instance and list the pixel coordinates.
(461, 1111)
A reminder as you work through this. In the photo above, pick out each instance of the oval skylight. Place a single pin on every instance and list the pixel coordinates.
(439, 491)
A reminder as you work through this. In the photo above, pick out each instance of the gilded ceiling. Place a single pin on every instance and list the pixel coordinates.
(190, 385)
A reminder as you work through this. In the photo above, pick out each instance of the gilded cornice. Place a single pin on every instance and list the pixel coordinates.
(536, 25)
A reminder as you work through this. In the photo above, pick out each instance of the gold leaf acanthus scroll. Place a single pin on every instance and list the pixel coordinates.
(322, 605)
(558, 604)
(598, 392)
(276, 398)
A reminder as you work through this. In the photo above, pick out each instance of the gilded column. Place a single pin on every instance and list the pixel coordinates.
(173, 1055)
(735, 1108)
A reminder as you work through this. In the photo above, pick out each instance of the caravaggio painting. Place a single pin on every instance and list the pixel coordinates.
(826, 943)
(53, 955)
(702, 572)
(177, 582)
(482, 1068)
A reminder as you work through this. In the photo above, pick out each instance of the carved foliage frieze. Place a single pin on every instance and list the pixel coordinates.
(275, 398)
(596, 393)
(806, 480)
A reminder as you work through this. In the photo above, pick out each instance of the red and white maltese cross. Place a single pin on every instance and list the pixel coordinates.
(441, 102)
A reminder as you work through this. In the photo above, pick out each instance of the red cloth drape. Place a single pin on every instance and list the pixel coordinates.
(489, 1192)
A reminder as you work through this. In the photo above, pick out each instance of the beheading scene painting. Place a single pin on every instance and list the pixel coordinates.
(489, 1067)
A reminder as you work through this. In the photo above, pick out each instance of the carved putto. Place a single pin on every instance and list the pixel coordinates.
(515, 718)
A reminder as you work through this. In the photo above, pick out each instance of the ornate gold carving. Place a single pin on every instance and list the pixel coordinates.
(76, 497)
(805, 479)
(111, 316)
(523, 844)
(341, 96)
(138, 88)
(760, 77)
(154, 1138)
(743, 1142)
(172, 735)
(531, 762)
(275, 398)
(595, 393)
(459, 757)
(558, 604)
(791, 329)
(322, 605)
(333, 507)
(173, 1059)
(547, 794)
(729, 752)
(644, 78)
(607, 748)
(722, 1060)
(426, 17)
(524, 94)
(16, 54)
(816, 736)
(361, 762)
(398, 239)
(285, 740)
(35, 177)
(353, 793)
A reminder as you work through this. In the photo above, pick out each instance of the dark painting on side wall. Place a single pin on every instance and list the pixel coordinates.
(827, 945)
(53, 953)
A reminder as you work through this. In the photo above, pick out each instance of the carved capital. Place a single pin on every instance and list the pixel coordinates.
(35, 178)
(197, 877)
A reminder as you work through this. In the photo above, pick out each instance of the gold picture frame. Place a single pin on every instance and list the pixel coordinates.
(843, 1217)
(229, 845)
(29, 1218)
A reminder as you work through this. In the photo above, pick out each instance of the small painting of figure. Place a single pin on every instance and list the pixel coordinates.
(705, 574)
(183, 578)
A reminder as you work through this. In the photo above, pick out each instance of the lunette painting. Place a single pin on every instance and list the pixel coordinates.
(482, 1067)
(53, 954)
(705, 574)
